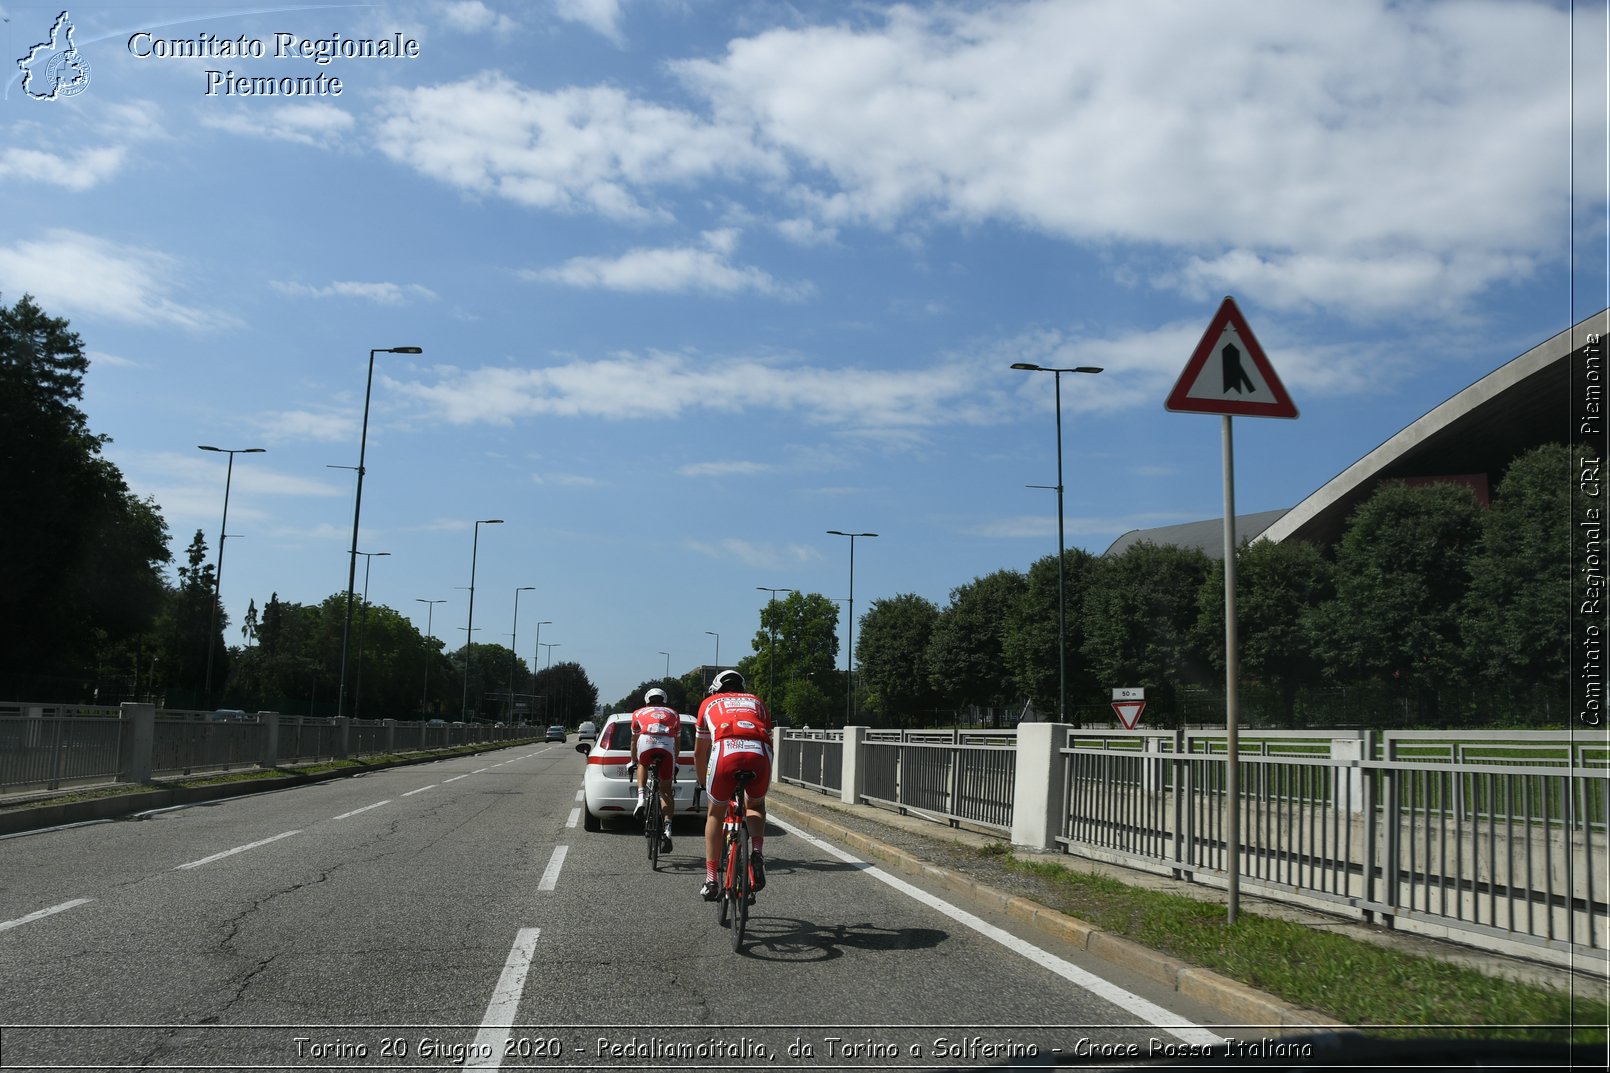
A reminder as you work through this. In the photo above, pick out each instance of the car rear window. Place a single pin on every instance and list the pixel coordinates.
(619, 737)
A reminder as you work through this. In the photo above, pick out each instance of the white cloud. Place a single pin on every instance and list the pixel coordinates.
(314, 123)
(391, 294)
(672, 270)
(752, 554)
(722, 469)
(474, 17)
(601, 16)
(293, 426)
(578, 149)
(1328, 143)
(77, 171)
(72, 274)
(101, 357)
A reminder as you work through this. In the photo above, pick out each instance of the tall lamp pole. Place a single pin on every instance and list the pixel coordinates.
(357, 511)
(514, 640)
(218, 573)
(430, 610)
(469, 629)
(771, 645)
(1062, 591)
(667, 656)
(717, 636)
(357, 689)
(849, 656)
(536, 652)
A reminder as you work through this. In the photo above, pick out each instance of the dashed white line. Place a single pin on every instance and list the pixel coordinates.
(455, 778)
(494, 1034)
(1156, 1015)
(580, 794)
(478, 770)
(237, 849)
(43, 913)
(366, 808)
(575, 814)
(550, 874)
(421, 790)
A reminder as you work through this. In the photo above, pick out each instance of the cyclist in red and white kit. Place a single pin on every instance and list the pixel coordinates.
(655, 729)
(734, 735)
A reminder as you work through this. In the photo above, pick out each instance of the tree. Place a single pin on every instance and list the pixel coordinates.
(489, 679)
(571, 697)
(893, 646)
(1277, 588)
(184, 628)
(82, 554)
(1402, 572)
(805, 626)
(966, 657)
(1138, 619)
(1516, 637)
(1030, 648)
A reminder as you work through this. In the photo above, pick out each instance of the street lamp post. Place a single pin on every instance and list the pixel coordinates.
(430, 610)
(357, 509)
(667, 656)
(1062, 592)
(514, 640)
(550, 649)
(469, 629)
(218, 574)
(357, 689)
(717, 636)
(771, 644)
(536, 652)
(849, 656)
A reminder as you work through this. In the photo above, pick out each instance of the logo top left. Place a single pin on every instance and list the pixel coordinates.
(54, 68)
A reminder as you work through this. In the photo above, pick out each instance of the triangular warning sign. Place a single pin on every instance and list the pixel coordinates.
(1228, 373)
(1129, 711)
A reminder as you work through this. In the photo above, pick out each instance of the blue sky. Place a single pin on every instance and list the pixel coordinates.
(696, 282)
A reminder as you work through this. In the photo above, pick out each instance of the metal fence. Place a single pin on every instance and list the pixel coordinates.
(51, 747)
(956, 775)
(1473, 833)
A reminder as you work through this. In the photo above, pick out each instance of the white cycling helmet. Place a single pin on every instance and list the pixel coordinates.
(655, 696)
(727, 682)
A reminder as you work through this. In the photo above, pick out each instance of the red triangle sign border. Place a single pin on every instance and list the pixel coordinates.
(1180, 399)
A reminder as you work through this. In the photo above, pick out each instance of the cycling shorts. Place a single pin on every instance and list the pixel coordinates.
(728, 756)
(653, 750)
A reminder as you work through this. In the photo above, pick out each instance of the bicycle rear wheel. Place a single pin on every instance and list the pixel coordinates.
(724, 868)
(740, 887)
(652, 821)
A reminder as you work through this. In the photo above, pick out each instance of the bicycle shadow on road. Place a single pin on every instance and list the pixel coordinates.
(777, 938)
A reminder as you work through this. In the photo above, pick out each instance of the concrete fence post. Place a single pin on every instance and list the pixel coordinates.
(1038, 809)
(1347, 777)
(852, 776)
(141, 720)
(391, 736)
(271, 739)
(343, 736)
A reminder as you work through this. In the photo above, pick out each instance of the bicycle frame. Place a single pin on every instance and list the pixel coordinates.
(735, 893)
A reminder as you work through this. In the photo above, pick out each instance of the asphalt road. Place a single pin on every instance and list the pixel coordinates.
(456, 915)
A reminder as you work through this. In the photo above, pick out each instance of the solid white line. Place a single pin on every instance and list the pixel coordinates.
(550, 874)
(575, 814)
(238, 849)
(494, 1034)
(421, 790)
(1154, 1014)
(41, 914)
(365, 808)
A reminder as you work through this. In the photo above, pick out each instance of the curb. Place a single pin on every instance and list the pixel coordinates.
(112, 807)
(1240, 1004)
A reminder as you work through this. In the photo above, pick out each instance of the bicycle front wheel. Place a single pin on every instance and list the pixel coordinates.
(740, 889)
(652, 821)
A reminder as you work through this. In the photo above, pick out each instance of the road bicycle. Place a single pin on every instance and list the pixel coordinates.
(653, 815)
(736, 895)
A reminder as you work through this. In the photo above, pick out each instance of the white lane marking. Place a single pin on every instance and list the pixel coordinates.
(366, 808)
(477, 771)
(581, 793)
(494, 1034)
(421, 790)
(550, 874)
(455, 778)
(237, 849)
(575, 814)
(43, 913)
(1155, 1015)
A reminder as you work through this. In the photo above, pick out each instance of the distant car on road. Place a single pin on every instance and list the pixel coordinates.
(608, 792)
(588, 731)
(556, 734)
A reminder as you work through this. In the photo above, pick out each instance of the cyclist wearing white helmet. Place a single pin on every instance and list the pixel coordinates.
(734, 735)
(655, 728)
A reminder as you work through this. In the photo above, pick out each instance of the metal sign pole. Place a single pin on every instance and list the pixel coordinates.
(1232, 796)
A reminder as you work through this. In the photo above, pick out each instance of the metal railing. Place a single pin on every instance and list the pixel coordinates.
(51, 747)
(1474, 833)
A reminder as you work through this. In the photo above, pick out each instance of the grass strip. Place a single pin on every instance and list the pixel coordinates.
(1352, 981)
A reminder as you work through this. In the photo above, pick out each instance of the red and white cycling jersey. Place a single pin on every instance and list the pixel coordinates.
(739, 727)
(658, 728)
(734, 715)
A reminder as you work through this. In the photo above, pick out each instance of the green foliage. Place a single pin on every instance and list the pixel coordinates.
(805, 628)
(1139, 617)
(83, 556)
(1030, 647)
(571, 696)
(1402, 571)
(966, 657)
(893, 649)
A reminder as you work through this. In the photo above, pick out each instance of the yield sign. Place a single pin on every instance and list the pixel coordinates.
(1228, 373)
(1129, 711)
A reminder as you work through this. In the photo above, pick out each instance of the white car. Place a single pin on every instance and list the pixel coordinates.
(609, 793)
